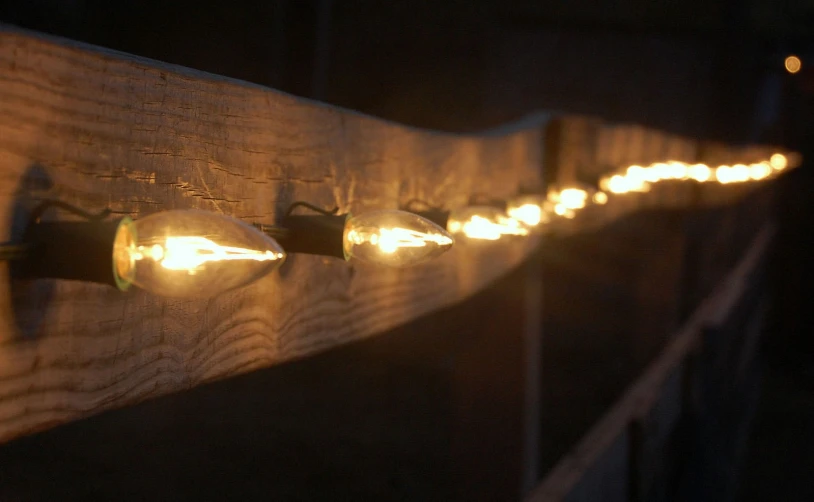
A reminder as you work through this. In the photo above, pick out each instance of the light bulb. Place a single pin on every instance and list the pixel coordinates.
(484, 223)
(527, 209)
(394, 238)
(600, 198)
(192, 254)
(760, 171)
(573, 198)
(636, 174)
(623, 184)
(700, 172)
(724, 175)
(678, 170)
(779, 161)
(561, 210)
(659, 171)
(740, 173)
(618, 184)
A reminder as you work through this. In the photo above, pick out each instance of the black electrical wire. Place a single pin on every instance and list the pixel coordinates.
(10, 251)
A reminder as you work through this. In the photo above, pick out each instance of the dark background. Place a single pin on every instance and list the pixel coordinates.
(431, 411)
(696, 67)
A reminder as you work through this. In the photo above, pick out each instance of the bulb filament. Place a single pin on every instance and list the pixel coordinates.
(478, 227)
(390, 240)
(191, 253)
(530, 214)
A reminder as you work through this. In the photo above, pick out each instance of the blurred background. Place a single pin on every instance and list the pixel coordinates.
(393, 418)
(711, 68)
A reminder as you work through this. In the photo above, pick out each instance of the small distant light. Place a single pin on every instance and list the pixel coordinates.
(779, 161)
(793, 64)
(600, 198)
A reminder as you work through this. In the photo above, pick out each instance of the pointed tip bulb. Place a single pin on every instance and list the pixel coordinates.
(484, 223)
(192, 254)
(778, 161)
(527, 209)
(394, 238)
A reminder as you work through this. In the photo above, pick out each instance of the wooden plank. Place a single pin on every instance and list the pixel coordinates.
(103, 129)
(754, 330)
(635, 150)
(606, 479)
(654, 145)
(727, 396)
(653, 433)
(576, 161)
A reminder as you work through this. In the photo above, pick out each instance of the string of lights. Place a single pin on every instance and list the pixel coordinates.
(199, 254)
(637, 178)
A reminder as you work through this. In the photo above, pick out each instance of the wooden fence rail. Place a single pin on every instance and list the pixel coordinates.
(680, 423)
(101, 129)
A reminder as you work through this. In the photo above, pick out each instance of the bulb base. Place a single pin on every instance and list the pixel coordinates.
(437, 216)
(311, 234)
(74, 250)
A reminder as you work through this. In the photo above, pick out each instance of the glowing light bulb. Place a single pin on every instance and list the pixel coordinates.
(778, 161)
(394, 238)
(643, 186)
(618, 184)
(724, 175)
(636, 174)
(659, 171)
(623, 184)
(700, 172)
(740, 173)
(192, 254)
(484, 223)
(600, 198)
(573, 198)
(563, 211)
(527, 209)
(759, 171)
(678, 170)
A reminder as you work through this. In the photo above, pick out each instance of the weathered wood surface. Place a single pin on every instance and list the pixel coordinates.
(101, 129)
(585, 468)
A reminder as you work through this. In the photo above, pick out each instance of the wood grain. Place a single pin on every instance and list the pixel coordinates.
(102, 129)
